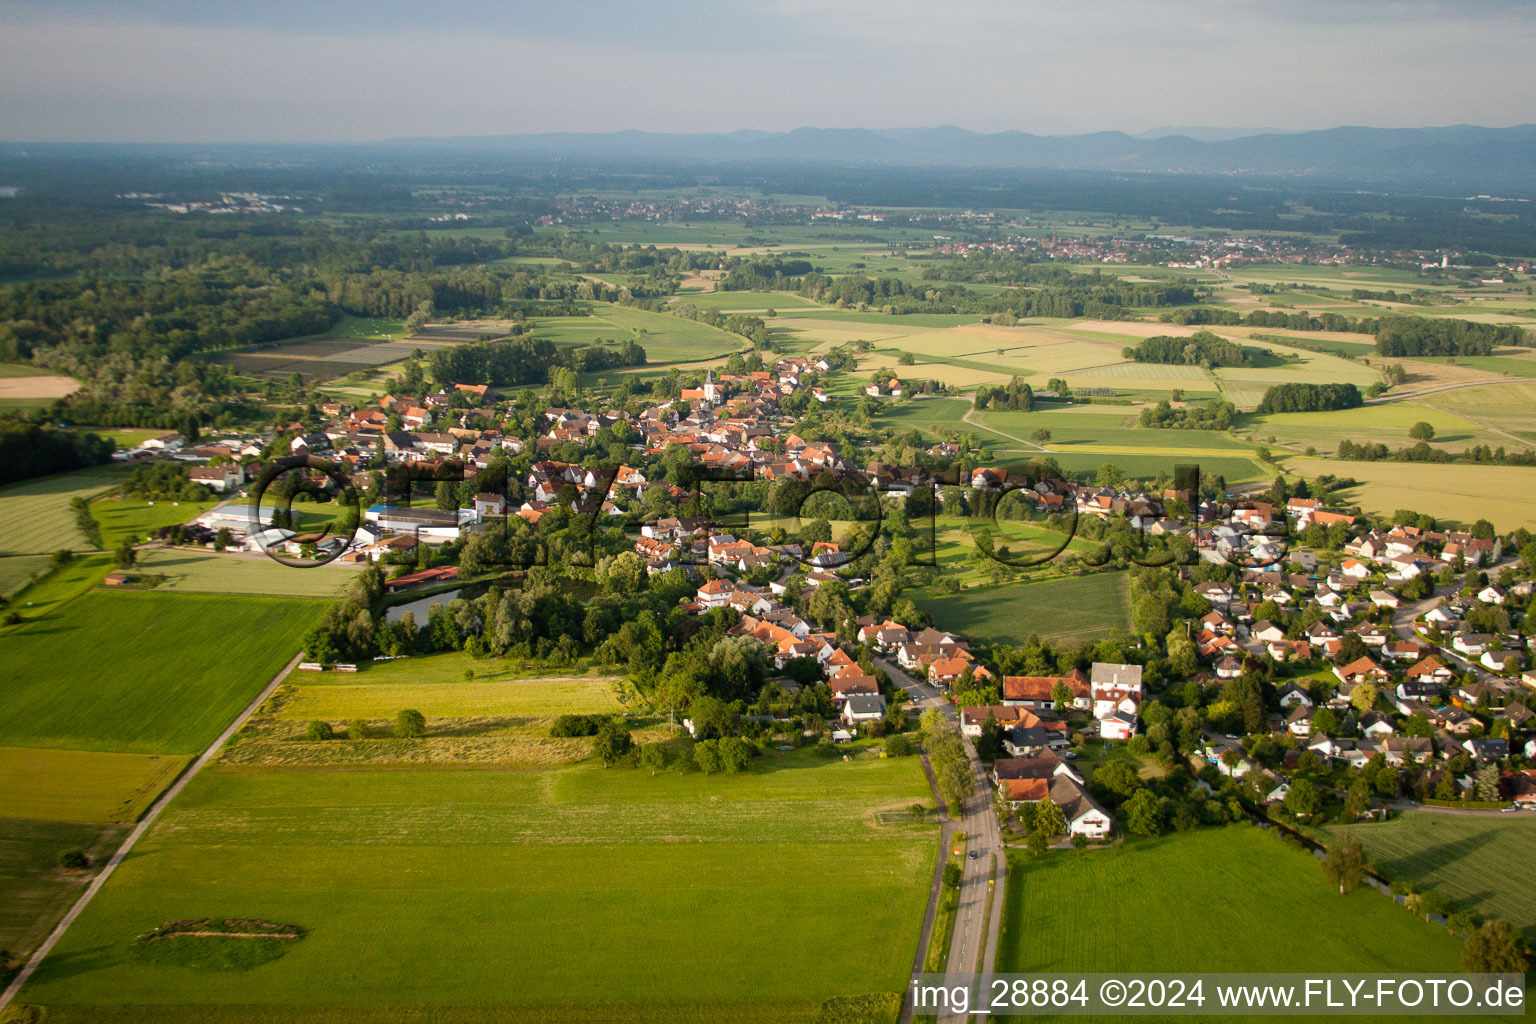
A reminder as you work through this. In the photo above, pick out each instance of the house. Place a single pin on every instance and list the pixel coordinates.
(1228, 668)
(487, 504)
(1293, 695)
(226, 477)
(1375, 725)
(863, 707)
(847, 685)
(1430, 670)
(1035, 691)
(1487, 748)
(1501, 661)
(1118, 725)
(1361, 670)
(1084, 816)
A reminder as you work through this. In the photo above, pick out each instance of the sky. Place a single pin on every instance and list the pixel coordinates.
(281, 70)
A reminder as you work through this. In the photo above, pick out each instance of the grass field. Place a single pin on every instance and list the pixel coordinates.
(1479, 864)
(728, 302)
(36, 512)
(142, 672)
(206, 572)
(1504, 495)
(456, 699)
(23, 370)
(17, 570)
(1229, 899)
(80, 785)
(126, 517)
(37, 600)
(1077, 609)
(1388, 423)
(570, 875)
(665, 338)
(34, 890)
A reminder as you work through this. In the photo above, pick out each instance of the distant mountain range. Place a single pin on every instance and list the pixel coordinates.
(1458, 156)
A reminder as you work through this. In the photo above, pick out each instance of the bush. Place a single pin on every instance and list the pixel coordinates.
(319, 730)
(410, 724)
(357, 729)
(953, 873)
(569, 726)
(900, 745)
(74, 859)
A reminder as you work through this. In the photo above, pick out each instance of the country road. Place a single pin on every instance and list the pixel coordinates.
(993, 430)
(974, 947)
(1421, 392)
(144, 825)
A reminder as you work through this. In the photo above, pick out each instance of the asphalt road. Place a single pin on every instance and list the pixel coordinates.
(973, 949)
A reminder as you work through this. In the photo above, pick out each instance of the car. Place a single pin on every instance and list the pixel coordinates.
(974, 854)
(1070, 755)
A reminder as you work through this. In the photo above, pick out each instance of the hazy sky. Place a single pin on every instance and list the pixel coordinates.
(237, 70)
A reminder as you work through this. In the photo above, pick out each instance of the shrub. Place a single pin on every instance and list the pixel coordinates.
(568, 726)
(900, 745)
(319, 730)
(357, 729)
(410, 724)
(74, 859)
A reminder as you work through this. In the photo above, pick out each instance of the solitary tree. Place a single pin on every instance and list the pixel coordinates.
(613, 742)
(410, 724)
(1346, 863)
(1421, 431)
(319, 729)
(653, 756)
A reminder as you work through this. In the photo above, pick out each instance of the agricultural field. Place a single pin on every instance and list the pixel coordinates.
(1074, 610)
(142, 672)
(1508, 411)
(460, 699)
(34, 391)
(1479, 864)
(1227, 899)
(732, 302)
(316, 359)
(1504, 495)
(17, 570)
(36, 512)
(187, 570)
(83, 785)
(34, 890)
(52, 588)
(135, 517)
(564, 873)
(1387, 423)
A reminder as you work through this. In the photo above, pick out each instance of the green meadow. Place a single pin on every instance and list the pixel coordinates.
(578, 894)
(143, 672)
(1076, 609)
(1213, 899)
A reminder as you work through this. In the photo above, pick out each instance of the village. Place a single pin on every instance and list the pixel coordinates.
(1391, 653)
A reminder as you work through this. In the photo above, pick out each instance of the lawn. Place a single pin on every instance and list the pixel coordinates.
(36, 512)
(143, 672)
(1481, 865)
(1079, 608)
(573, 894)
(1229, 899)
(132, 517)
(188, 570)
(82, 785)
